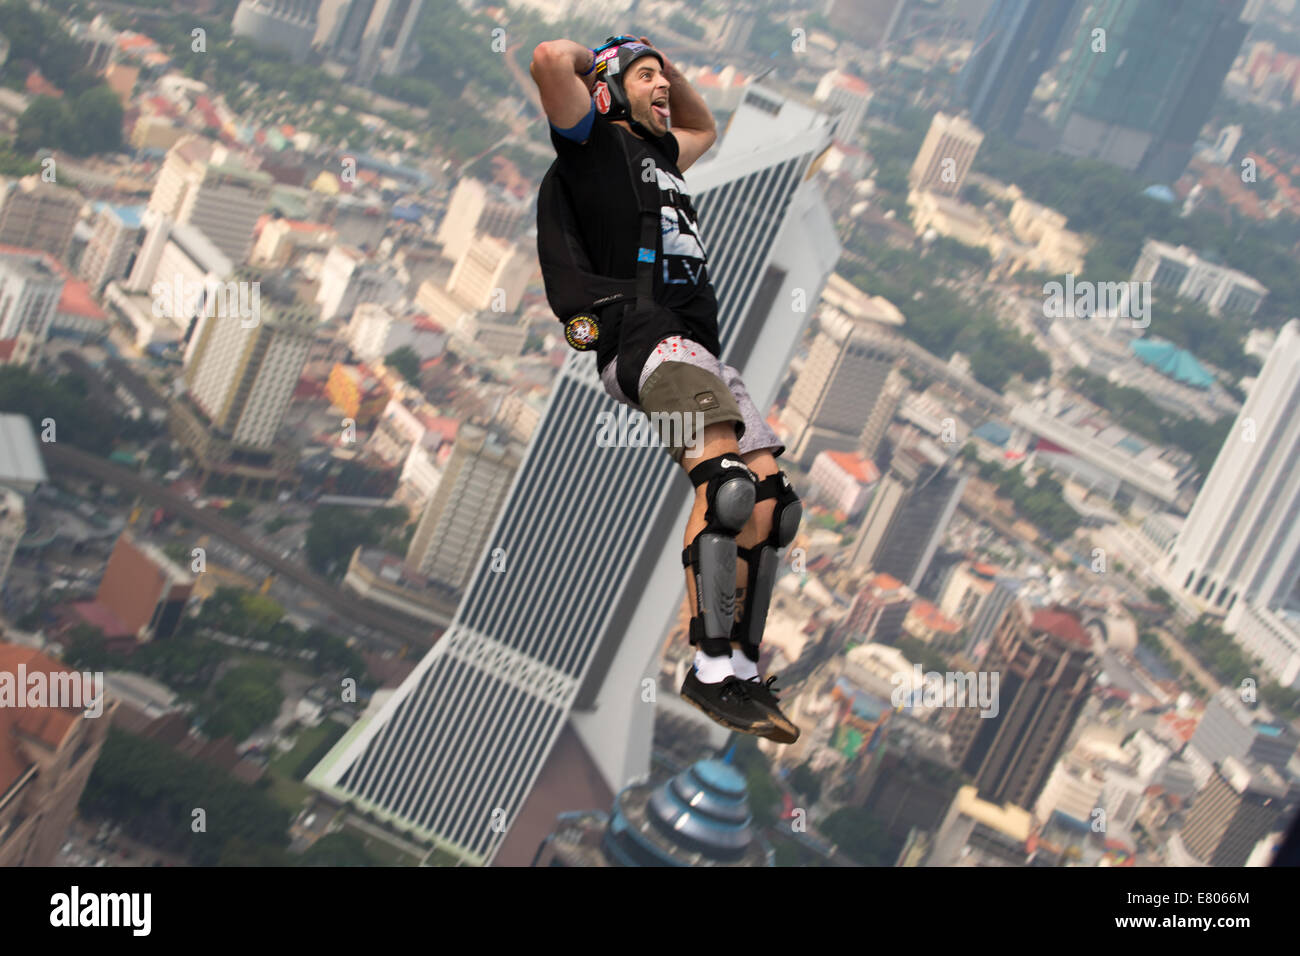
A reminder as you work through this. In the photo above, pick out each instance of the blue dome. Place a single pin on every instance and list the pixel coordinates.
(721, 776)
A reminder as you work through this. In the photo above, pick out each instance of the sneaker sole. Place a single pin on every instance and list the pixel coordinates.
(788, 732)
(759, 731)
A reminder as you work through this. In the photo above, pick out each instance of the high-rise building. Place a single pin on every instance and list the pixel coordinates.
(563, 634)
(991, 610)
(477, 208)
(907, 517)
(1238, 807)
(1043, 658)
(837, 388)
(286, 26)
(13, 525)
(373, 35)
(46, 755)
(882, 413)
(458, 517)
(1140, 103)
(840, 90)
(30, 286)
(946, 155)
(1240, 543)
(878, 612)
(201, 184)
(348, 278)
(492, 274)
(239, 379)
(1015, 45)
(38, 215)
(700, 817)
(112, 245)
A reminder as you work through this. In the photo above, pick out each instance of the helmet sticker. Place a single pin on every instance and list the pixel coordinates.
(601, 93)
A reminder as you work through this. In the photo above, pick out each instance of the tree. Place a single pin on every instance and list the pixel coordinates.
(97, 118)
(245, 698)
(336, 532)
(405, 362)
(44, 124)
(856, 833)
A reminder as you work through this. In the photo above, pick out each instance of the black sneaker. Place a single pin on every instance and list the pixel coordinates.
(728, 703)
(762, 693)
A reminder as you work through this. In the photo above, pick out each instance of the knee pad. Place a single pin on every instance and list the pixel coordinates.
(731, 492)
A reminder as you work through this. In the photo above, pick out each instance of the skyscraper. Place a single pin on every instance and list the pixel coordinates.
(1237, 808)
(38, 215)
(1241, 540)
(590, 535)
(946, 155)
(1015, 44)
(837, 389)
(200, 185)
(1043, 658)
(909, 513)
(464, 507)
(284, 25)
(374, 35)
(1141, 80)
(112, 245)
(30, 286)
(239, 379)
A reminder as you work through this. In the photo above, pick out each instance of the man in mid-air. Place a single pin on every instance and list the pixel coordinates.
(666, 361)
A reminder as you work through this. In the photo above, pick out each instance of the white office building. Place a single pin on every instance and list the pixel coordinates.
(1221, 290)
(1241, 541)
(202, 184)
(242, 376)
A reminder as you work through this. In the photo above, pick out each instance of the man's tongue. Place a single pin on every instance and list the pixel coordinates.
(659, 111)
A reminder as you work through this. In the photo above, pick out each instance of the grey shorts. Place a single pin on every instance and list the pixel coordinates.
(715, 392)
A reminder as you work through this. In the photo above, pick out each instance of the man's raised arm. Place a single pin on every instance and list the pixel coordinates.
(558, 69)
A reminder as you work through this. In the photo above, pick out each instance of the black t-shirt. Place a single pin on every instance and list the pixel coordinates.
(595, 173)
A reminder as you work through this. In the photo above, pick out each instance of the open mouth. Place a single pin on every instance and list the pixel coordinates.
(660, 109)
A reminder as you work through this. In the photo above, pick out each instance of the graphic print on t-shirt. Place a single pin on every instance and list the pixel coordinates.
(683, 246)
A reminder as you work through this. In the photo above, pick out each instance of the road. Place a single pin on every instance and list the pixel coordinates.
(60, 456)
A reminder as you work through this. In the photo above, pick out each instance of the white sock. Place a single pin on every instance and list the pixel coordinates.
(742, 665)
(712, 670)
